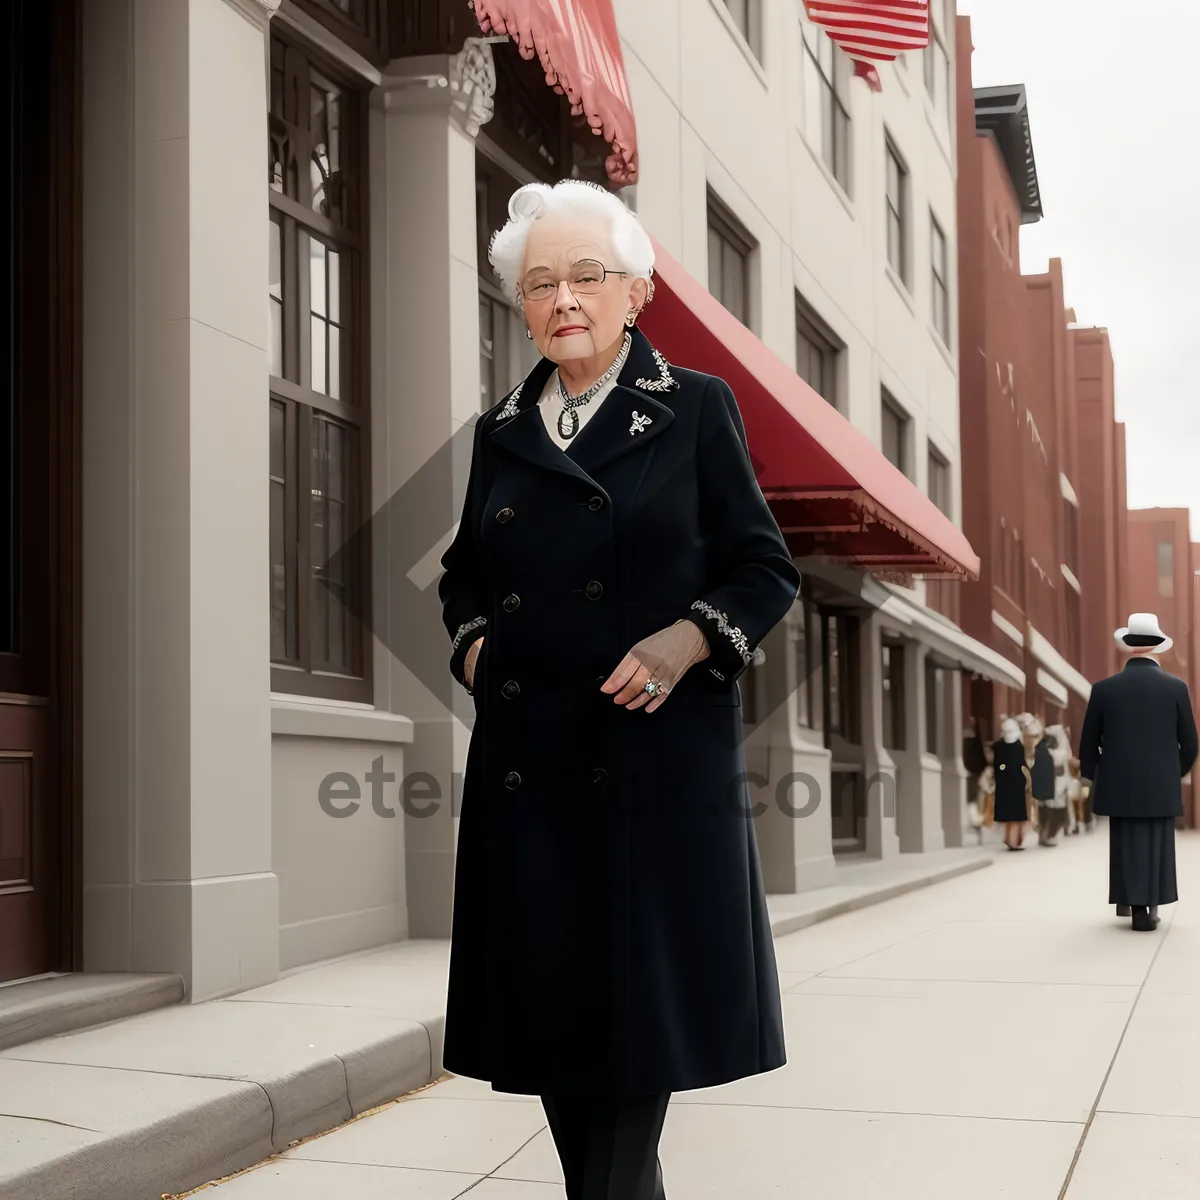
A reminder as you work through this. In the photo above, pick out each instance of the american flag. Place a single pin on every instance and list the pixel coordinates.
(872, 31)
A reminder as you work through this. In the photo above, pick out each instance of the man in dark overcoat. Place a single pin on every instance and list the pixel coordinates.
(1138, 741)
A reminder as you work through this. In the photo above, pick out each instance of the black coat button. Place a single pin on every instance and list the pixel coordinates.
(512, 781)
(599, 777)
(505, 514)
(511, 690)
(596, 503)
(594, 590)
(511, 602)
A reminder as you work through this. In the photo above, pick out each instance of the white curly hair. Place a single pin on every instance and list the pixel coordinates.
(632, 250)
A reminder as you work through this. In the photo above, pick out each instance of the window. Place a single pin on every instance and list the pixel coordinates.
(506, 355)
(897, 212)
(809, 675)
(1071, 538)
(747, 16)
(817, 352)
(827, 123)
(939, 480)
(318, 402)
(894, 433)
(940, 280)
(935, 708)
(1074, 633)
(729, 249)
(1002, 557)
(358, 23)
(1166, 568)
(937, 62)
(893, 696)
(841, 684)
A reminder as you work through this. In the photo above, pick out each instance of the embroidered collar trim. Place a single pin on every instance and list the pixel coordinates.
(663, 382)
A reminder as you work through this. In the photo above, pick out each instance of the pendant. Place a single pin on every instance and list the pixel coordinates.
(569, 430)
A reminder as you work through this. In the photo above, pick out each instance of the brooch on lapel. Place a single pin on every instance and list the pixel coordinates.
(639, 423)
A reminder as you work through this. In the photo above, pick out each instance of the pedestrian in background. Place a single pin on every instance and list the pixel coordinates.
(1050, 801)
(1138, 741)
(1012, 784)
(1060, 751)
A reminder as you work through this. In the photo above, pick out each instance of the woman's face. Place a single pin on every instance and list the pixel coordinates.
(566, 324)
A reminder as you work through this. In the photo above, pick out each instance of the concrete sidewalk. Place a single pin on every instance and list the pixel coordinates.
(1002, 1035)
(170, 1099)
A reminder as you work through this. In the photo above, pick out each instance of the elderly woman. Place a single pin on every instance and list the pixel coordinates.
(1012, 783)
(614, 571)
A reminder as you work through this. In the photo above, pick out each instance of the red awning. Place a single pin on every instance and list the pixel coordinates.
(833, 492)
(580, 51)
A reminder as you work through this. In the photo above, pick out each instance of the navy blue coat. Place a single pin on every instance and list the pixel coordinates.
(1138, 741)
(610, 932)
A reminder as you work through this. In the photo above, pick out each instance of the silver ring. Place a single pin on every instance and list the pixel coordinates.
(653, 687)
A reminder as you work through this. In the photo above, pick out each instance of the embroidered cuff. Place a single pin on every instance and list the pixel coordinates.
(729, 648)
(464, 639)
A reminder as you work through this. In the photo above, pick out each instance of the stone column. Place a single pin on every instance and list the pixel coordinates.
(919, 804)
(954, 774)
(425, 335)
(881, 840)
(177, 743)
(794, 832)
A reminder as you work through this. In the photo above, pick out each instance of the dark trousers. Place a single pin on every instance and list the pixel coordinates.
(609, 1148)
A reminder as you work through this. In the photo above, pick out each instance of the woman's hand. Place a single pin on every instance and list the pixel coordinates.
(470, 660)
(664, 657)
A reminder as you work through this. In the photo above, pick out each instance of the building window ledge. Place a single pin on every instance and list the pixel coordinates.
(1069, 576)
(1007, 627)
(292, 717)
(739, 40)
(838, 190)
(940, 136)
(900, 287)
(944, 350)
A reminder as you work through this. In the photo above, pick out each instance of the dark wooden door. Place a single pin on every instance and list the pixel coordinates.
(38, 491)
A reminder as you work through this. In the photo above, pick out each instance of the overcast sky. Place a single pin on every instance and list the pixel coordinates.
(1115, 119)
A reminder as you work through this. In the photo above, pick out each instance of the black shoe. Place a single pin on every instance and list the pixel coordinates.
(1122, 910)
(1143, 920)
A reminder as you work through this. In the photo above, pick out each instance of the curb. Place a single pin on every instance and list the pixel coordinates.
(243, 1121)
(792, 922)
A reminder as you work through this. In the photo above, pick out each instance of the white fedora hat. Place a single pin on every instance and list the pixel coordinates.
(1142, 633)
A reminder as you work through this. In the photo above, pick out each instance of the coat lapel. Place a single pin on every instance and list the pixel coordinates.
(629, 417)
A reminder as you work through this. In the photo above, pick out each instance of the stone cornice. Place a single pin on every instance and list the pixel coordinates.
(257, 12)
(463, 84)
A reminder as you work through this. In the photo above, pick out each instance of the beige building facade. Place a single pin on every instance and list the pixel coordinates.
(269, 743)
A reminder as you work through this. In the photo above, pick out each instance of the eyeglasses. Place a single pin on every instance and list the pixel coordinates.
(585, 278)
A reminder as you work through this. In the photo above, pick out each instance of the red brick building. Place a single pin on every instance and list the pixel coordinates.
(1042, 457)
(1103, 544)
(1161, 579)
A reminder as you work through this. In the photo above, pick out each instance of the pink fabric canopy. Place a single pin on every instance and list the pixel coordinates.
(580, 51)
